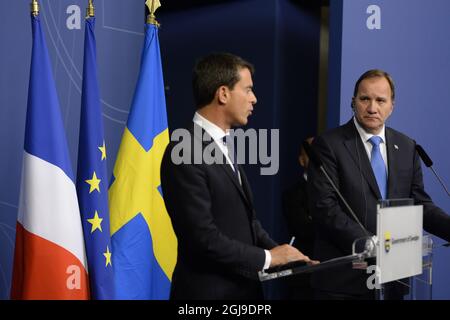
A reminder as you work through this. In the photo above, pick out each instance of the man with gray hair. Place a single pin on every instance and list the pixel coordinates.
(368, 161)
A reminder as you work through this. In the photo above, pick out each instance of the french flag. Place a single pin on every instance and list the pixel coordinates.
(49, 258)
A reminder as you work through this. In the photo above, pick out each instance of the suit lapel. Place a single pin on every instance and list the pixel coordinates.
(356, 149)
(230, 173)
(206, 140)
(393, 162)
(246, 186)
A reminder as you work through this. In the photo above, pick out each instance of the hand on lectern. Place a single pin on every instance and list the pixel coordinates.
(285, 253)
(371, 245)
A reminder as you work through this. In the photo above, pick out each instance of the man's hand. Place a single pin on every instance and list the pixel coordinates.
(371, 246)
(285, 253)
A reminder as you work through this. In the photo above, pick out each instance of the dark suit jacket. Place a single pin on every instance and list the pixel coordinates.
(298, 217)
(346, 161)
(220, 242)
(300, 225)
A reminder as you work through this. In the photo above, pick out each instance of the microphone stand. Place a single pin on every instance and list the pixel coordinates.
(440, 180)
(318, 162)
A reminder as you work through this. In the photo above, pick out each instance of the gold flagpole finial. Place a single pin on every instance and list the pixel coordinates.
(152, 5)
(34, 7)
(90, 10)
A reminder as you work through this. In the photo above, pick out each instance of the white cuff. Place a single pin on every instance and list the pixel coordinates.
(268, 260)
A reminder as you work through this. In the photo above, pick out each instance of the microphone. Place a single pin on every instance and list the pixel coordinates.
(429, 163)
(424, 156)
(312, 154)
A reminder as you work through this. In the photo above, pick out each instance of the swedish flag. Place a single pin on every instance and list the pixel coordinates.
(143, 240)
(92, 186)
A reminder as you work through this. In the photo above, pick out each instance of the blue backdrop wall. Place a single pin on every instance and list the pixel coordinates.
(280, 37)
(409, 39)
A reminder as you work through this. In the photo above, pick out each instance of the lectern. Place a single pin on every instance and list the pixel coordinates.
(402, 253)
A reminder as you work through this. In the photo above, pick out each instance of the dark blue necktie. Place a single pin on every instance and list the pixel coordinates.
(231, 154)
(378, 165)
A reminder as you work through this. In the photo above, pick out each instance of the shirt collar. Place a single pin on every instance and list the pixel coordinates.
(214, 131)
(365, 136)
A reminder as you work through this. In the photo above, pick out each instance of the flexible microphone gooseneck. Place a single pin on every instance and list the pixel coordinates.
(319, 164)
(429, 163)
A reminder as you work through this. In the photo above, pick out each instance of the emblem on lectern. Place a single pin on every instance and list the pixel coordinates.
(387, 241)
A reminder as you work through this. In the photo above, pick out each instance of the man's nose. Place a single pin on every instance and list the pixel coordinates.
(253, 99)
(371, 108)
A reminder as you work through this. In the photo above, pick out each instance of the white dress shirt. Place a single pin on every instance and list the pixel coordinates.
(217, 134)
(365, 136)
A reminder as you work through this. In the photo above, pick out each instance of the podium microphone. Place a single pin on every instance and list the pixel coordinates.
(429, 163)
(319, 164)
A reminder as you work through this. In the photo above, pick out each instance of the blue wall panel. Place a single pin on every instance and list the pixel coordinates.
(414, 47)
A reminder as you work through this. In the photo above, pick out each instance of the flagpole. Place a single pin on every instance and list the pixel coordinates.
(49, 257)
(143, 240)
(34, 8)
(152, 5)
(90, 10)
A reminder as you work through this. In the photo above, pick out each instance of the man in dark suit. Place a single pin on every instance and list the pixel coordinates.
(367, 161)
(221, 244)
(300, 225)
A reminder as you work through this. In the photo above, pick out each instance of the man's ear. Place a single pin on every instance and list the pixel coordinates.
(301, 160)
(223, 94)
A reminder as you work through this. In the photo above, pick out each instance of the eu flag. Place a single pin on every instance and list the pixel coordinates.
(92, 186)
(143, 240)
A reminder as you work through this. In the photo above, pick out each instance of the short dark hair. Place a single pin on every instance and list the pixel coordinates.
(375, 73)
(213, 71)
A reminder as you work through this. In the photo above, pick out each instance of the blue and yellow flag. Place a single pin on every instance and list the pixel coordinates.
(92, 186)
(144, 243)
